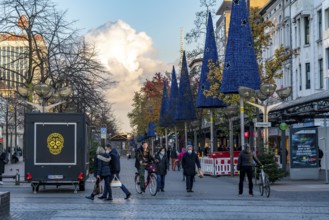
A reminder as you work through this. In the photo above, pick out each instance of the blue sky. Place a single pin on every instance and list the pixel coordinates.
(160, 19)
(134, 40)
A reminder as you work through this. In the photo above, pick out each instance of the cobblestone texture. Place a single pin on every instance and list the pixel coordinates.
(213, 198)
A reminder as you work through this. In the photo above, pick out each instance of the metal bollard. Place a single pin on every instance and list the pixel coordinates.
(17, 177)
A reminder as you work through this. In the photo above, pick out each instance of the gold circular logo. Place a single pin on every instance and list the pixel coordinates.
(55, 142)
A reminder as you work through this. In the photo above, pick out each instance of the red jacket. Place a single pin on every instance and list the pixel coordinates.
(180, 155)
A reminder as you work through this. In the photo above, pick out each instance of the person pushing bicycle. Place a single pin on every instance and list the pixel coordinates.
(144, 157)
(245, 163)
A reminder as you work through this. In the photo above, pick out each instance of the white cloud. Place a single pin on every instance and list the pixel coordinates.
(129, 55)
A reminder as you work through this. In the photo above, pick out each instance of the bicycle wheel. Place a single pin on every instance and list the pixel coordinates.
(153, 185)
(267, 188)
(138, 185)
(261, 187)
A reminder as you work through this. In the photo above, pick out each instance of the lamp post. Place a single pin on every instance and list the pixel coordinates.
(267, 90)
(47, 94)
(231, 111)
(245, 93)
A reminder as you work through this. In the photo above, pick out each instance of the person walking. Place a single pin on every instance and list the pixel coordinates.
(144, 157)
(245, 163)
(99, 150)
(179, 159)
(114, 161)
(173, 156)
(189, 161)
(320, 157)
(168, 156)
(104, 172)
(161, 162)
(3, 161)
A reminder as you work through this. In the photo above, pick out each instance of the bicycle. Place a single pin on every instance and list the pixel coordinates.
(264, 185)
(150, 183)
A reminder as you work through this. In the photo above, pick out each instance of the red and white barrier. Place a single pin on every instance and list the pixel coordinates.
(223, 166)
(207, 165)
(219, 164)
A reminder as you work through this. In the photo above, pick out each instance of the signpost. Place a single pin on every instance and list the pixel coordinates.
(103, 133)
(263, 124)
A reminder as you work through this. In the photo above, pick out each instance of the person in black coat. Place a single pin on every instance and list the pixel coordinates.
(114, 161)
(189, 161)
(104, 172)
(245, 163)
(99, 150)
(161, 162)
(3, 156)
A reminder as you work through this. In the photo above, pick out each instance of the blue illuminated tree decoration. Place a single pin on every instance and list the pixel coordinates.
(185, 109)
(164, 111)
(240, 67)
(173, 98)
(210, 54)
(151, 130)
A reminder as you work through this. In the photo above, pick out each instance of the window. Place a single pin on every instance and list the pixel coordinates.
(307, 76)
(320, 74)
(307, 30)
(298, 37)
(327, 54)
(300, 77)
(327, 18)
(320, 24)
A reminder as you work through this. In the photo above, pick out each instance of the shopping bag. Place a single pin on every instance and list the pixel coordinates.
(98, 189)
(199, 173)
(116, 182)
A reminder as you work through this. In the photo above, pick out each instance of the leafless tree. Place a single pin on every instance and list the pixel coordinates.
(51, 51)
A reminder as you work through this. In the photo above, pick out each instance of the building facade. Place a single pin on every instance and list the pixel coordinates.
(301, 26)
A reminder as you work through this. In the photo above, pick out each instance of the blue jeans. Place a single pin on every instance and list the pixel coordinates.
(123, 188)
(160, 182)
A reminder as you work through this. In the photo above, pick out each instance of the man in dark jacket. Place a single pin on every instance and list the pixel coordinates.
(144, 158)
(114, 161)
(173, 156)
(104, 172)
(245, 163)
(190, 159)
(161, 162)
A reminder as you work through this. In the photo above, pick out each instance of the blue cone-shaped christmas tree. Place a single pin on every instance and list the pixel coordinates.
(164, 111)
(209, 55)
(185, 109)
(173, 97)
(240, 67)
(151, 129)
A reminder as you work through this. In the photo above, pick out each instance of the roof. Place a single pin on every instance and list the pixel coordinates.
(301, 109)
(119, 137)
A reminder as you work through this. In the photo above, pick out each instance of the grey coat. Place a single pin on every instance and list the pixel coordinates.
(246, 159)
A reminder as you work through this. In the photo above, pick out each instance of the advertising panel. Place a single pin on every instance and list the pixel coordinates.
(303, 153)
(55, 144)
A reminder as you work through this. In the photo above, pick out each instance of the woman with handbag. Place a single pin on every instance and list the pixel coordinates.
(114, 162)
(98, 186)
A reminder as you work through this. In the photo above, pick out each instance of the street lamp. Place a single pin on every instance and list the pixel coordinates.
(267, 90)
(230, 112)
(46, 93)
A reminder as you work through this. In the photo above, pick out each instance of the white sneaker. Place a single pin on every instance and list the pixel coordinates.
(1, 183)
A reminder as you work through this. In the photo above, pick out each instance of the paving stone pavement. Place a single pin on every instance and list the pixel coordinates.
(213, 198)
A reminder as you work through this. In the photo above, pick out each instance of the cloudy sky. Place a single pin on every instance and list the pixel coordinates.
(134, 39)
